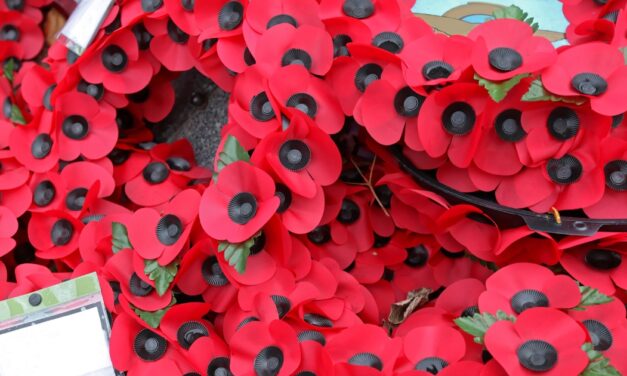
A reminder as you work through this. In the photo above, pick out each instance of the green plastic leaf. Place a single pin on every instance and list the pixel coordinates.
(236, 254)
(153, 318)
(161, 275)
(119, 239)
(599, 365)
(16, 115)
(232, 151)
(591, 296)
(537, 92)
(516, 13)
(479, 324)
(498, 90)
(8, 70)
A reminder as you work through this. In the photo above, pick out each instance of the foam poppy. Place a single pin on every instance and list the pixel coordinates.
(170, 45)
(184, 324)
(239, 204)
(294, 88)
(596, 71)
(54, 234)
(511, 290)
(155, 101)
(210, 354)
(84, 182)
(456, 132)
(35, 145)
(364, 350)
(541, 340)
(376, 14)
(265, 348)
(345, 30)
(505, 48)
(117, 64)
(433, 348)
(220, 19)
(393, 37)
(436, 59)
(18, 27)
(614, 160)
(298, 213)
(387, 106)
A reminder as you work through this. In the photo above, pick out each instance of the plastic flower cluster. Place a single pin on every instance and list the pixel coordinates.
(306, 250)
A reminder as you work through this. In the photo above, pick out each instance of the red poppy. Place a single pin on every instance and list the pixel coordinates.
(84, 182)
(414, 271)
(577, 11)
(614, 159)
(294, 88)
(436, 59)
(461, 299)
(183, 15)
(170, 45)
(18, 27)
(387, 106)
(457, 132)
(593, 70)
(117, 64)
(322, 244)
(416, 209)
(8, 228)
(229, 20)
(184, 324)
(512, 290)
(33, 277)
(29, 8)
(234, 53)
(364, 350)
(127, 163)
(155, 101)
(346, 30)
(315, 359)
(505, 48)
(95, 241)
(607, 331)
(209, 64)
(43, 153)
(432, 348)
(239, 204)
(541, 340)
(451, 266)
(265, 348)
(38, 86)
(54, 234)
(376, 14)
(522, 244)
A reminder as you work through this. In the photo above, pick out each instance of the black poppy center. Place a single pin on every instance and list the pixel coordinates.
(45, 101)
(231, 15)
(176, 34)
(61, 232)
(140, 96)
(10, 33)
(282, 304)
(138, 286)
(603, 259)
(179, 164)
(359, 9)
(616, 175)
(407, 102)
(366, 75)
(143, 36)
(312, 335)
(189, 332)
(268, 361)
(285, 196)
(437, 69)
(563, 123)
(317, 320)
(526, 299)
(149, 346)
(432, 364)
(537, 356)
(416, 256)
(339, 45)
(304, 103)
(261, 108)
(150, 6)
(155, 173)
(212, 272)
(7, 108)
(296, 56)
(470, 311)
(259, 244)
(566, 170)
(509, 127)
(75, 199)
(294, 155)
(320, 235)
(589, 84)
(188, 5)
(75, 127)
(119, 156)
(44, 193)
(96, 91)
(282, 19)
(505, 59)
(220, 366)
(367, 360)
(600, 335)
(169, 229)
(41, 146)
(389, 41)
(349, 213)
(242, 208)
(459, 118)
(17, 5)
(385, 195)
(114, 58)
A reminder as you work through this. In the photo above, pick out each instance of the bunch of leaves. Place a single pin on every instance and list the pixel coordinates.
(537, 93)
(516, 13)
(479, 323)
(498, 90)
(161, 275)
(590, 297)
(153, 318)
(599, 365)
(232, 151)
(236, 254)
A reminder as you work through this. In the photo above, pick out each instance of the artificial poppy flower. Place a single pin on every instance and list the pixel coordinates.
(30, 8)
(577, 11)
(155, 101)
(239, 204)
(127, 162)
(33, 277)
(230, 17)
(373, 264)
(596, 71)
(451, 266)
(461, 299)
(46, 189)
(612, 204)
(415, 209)
(54, 235)
(95, 242)
(364, 350)
(234, 53)
(512, 290)
(17, 27)
(265, 349)
(296, 89)
(184, 324)
(598, 29)
(522, 244)
(35, 144)
(433, 348)
(283, 45)
(170, 45)
(8, 228)
(449, 123)
(541, 340)
(393, 37)
(183, 14)
(170, 224)
(38, 86)
(322, 244)
(435, 59)
(117, 64)
(387, 106)
(303, 157)
(315, 359)
(376, 14)
(344, 30)
(134, 10)
(505, 48)
(84, 182)
(414, 271)
(596, 261)
(298, 213)
(209, 64)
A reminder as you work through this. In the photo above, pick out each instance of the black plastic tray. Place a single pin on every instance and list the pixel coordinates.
(507, 217)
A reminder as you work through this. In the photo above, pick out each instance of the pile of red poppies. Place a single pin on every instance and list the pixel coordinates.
(306, 250)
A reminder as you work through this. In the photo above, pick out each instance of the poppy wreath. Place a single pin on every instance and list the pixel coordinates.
(305, 250)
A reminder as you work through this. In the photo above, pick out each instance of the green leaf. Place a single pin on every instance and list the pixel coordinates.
(236, 254)
(479, 324)
(119, 239)
(498, 90)
(516, 13)
(16, 115)
(599, 365)
(153, 318)
(161, 275)
(8, 70)
(537, 92)
(591, 296)
(232, 151)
